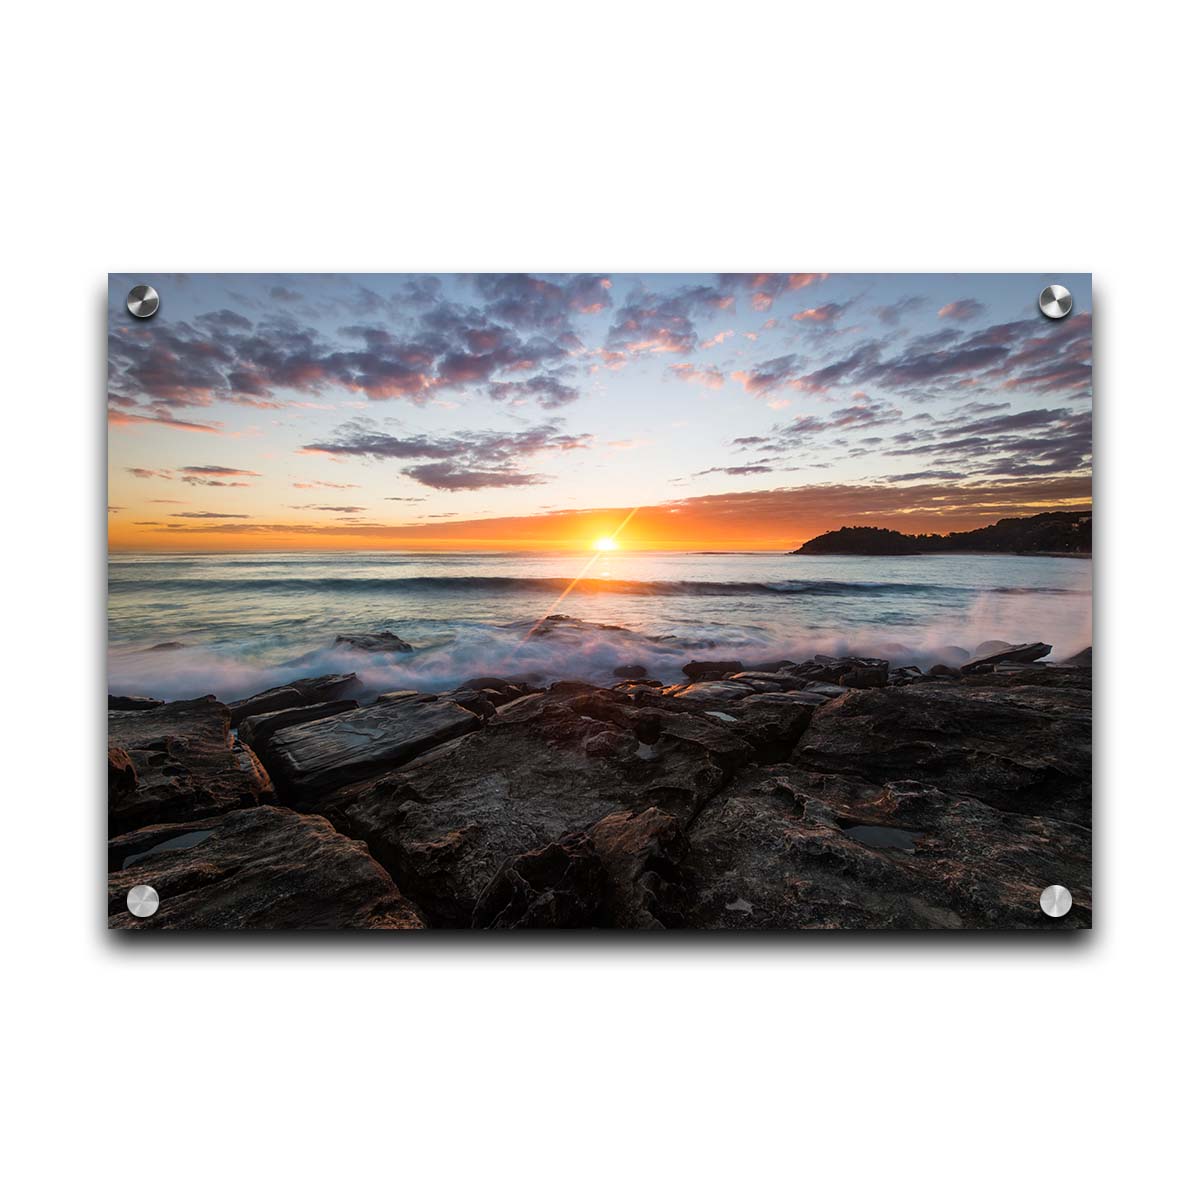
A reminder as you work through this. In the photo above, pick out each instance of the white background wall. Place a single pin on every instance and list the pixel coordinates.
(612, 136)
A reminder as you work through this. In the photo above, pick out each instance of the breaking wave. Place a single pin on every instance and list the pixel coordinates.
(586, 585)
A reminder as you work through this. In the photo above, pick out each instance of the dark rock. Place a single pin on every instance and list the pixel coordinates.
(261, 868)
(615, 875)
(169, 646)
(1082, 659)
(1020, 749)
(941, 671)
(307, 761)
(122, 775)
(699, 670)
(609, 743)
(483, 706)
(716, 691)
(821, 668)
(185, 763)
(500, 691)
(784, 848)
(317, 690)
(272, 700)
(1027, 652)
(864, 677)
(559, 886)
(446, 823)
(132, 703)
(383, 642)
(254, 731)
(633, 671)
(641, 853)
(770, 668)
(773, 723)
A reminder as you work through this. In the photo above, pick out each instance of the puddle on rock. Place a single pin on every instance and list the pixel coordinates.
(883, 837)
(183, 842)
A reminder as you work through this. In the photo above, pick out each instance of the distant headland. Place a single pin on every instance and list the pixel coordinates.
(1047, 533)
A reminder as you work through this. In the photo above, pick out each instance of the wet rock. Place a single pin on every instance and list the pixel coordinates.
(1082, 659)
(185, 762)
(445, 824)
(1027, 652)
(784, 848)
(822, 668)
(770, 668)
(132, 703)
(714, 691)
(941, 671)
(1020, 749)
(309, 760)
(503, 690)
(383, 642)
(317, 690)
(864, 677)
(483, 706)
(260, 868)
(698, 670)
(633, 671)
(254, 731)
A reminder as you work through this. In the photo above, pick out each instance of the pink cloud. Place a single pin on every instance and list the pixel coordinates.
(707, 377)
(716, 339)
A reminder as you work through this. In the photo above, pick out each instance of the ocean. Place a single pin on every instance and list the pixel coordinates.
(231, 625)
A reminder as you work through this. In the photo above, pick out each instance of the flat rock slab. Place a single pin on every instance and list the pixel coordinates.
(183, 763)
(310, 760)
(261, 868)
(254, 731)
(1027, 652)
(317, 690)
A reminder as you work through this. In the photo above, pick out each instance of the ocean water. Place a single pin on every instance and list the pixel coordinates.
(238, 623)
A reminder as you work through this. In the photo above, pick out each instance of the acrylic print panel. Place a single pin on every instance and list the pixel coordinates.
(707, 601)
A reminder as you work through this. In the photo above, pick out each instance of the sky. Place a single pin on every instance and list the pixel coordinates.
(544, 412)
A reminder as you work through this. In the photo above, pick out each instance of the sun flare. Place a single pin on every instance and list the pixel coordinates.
(604, 543)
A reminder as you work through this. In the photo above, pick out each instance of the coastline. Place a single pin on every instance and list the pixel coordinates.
(772, 795)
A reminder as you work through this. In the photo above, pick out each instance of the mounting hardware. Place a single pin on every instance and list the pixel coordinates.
(142, 301)
(1055, 301)
(1056, 901)
(142, 900)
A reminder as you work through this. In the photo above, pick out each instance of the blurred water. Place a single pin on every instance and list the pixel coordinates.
(251, 621)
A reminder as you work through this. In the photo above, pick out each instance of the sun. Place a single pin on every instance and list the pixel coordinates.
(604, 543)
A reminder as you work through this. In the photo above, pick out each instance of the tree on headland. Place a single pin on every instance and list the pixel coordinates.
(1046, 533)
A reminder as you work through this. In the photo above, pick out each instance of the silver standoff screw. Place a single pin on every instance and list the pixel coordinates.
(142, 900)
(1056, 901)
(1055, 301)
(142, 301)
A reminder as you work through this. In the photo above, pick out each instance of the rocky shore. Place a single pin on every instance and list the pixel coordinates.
(834, 793)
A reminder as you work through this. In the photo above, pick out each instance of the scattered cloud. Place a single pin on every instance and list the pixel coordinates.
(708, 377)
(462, 461)
(206, 516)
(961, 310)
